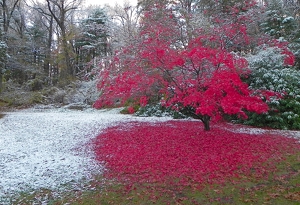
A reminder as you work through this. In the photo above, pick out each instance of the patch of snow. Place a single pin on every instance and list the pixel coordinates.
(49, 147)
(261, 131)
(288, 19)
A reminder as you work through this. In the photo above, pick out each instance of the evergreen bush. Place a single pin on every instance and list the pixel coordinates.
(270, 73)
(159, 111)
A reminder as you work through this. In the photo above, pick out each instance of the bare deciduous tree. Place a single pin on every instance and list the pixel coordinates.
(8, 7)
(124, 24)
(62, 12)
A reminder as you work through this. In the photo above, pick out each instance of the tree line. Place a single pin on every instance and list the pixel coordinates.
(59, 40)
(62, 37)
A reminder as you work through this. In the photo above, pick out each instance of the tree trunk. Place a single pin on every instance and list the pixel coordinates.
(48, 51)
(1, 76)
(206, 119)
(69, 69)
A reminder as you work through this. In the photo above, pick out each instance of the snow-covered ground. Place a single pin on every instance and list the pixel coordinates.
(238, 128)
(46, 148)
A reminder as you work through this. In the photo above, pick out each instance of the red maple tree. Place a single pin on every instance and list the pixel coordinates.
(198, 78)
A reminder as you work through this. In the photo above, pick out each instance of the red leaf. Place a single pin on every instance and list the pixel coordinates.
(179, 152)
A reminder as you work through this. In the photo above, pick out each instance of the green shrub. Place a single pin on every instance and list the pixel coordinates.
(34, 84)
(270, 73)
(36, 98)
(159, 111)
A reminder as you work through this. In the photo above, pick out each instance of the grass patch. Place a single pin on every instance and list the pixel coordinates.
(282, 187)
(4, 103)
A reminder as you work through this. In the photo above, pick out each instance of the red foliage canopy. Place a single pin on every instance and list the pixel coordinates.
(198, 77)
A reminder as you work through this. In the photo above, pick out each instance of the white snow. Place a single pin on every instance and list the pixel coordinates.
(261, 131)
(49, 148)
(288, 19)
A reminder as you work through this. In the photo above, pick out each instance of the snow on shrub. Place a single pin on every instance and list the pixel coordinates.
(158, 110)
(270, 72)
(179, 152)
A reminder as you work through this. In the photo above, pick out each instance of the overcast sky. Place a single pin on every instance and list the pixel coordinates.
(110, 2)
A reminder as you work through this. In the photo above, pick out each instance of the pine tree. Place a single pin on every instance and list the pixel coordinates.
(281, 23)
(93, 38)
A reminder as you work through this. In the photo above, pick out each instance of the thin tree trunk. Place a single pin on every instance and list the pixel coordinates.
(206, 119)
(60, 19)
(1, 84)
(48, 52)
(66, 69)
